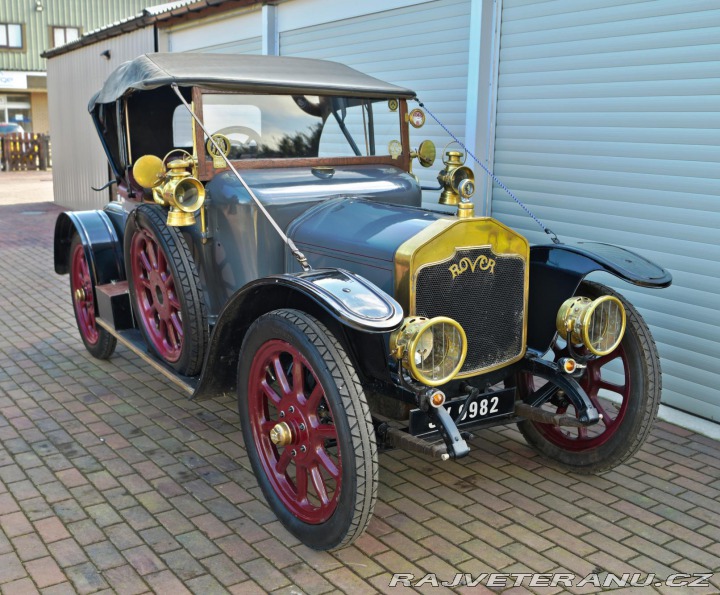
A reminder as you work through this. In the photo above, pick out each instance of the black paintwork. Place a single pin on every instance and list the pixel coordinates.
(348, 298)
(103, 249)
(556, 271)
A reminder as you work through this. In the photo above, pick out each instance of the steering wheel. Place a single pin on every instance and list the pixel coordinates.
(238, 147)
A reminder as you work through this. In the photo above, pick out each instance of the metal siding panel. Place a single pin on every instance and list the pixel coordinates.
(607, 127)
(79, 160)
(244, 46)
(423, 47)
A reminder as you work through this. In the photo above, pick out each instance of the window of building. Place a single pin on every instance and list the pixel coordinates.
(63, 35)
(11, 36)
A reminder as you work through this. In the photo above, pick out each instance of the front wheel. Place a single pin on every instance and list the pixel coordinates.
(307, 429)
(625, 388)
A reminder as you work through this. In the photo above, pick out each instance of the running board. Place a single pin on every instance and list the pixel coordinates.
(133, 340)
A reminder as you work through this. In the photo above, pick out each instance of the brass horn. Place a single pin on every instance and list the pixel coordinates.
(175, 187)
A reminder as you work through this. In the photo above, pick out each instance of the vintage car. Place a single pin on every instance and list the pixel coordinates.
(267, 239)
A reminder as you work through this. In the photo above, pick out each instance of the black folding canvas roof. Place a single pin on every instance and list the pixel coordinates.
(243, 73)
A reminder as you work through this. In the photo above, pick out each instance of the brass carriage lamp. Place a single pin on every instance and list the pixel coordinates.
(457, 180)
(174, 187)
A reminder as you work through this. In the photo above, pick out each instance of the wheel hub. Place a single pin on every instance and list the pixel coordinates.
(80, 294)
(281, 434)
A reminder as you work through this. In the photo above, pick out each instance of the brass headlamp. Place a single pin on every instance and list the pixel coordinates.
(457, 180)
(174, 187)
(597, 324)
(432, 350)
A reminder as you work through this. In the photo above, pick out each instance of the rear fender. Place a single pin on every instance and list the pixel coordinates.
(556, 271)
(103, 250)
(347, 301)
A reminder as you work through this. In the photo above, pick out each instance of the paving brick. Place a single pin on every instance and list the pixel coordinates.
(67, 552)
(236, 548)
(104, 555)
(225, 570)
(125, 580)
(166, 582)
(262, 572)
(183, 564)
(11, 568)
(122, 536)
(23, 586)
(15, 523)
(45, 572)
(29, 547)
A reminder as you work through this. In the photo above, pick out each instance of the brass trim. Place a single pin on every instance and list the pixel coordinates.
(404, 343)
(281, 434)
(439, 242)
(575, 314)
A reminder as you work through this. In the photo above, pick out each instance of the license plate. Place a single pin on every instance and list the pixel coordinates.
(488, 406)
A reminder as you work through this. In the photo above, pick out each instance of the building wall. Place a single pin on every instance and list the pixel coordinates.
(79, 160)
(86, 14)
(607, 127)
(40, 114)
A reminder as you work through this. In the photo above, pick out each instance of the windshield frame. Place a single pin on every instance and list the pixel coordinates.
(206, 170)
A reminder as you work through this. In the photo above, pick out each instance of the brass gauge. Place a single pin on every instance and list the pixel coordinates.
(395, 149)
(417, 118)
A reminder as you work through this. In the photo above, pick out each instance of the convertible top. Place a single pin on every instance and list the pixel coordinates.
(242, 73)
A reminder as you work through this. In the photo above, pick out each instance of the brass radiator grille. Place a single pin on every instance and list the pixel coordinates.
(485, 293)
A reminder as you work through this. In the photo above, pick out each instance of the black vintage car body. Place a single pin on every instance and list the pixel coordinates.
(287, 259)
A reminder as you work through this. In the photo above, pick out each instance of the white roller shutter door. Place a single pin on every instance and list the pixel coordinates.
(423, 47)
(608, 127)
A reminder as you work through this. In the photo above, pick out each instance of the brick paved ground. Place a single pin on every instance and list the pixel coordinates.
(110, 480)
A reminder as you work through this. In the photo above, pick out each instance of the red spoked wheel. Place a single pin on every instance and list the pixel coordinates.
(294, 430)
(307, 429)
(99, 343)
(624, 386)
(158, 305)
(166, 295)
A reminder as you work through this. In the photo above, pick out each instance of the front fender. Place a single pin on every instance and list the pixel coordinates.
(556, 271)
(351, 300)
(103, 250)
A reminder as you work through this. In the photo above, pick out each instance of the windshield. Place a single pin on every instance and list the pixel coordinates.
(284, 126)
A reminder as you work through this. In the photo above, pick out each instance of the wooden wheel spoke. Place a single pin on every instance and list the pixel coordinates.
(298, 371)
(145, 261)
(325, 432)
(328, 463)
(269, 392)
(283, 463)
(313, 401)
(151, 255)
(176, 324)
(612, 387)
(319, 484)
(301, 482)
(280, 375)
(174, 302)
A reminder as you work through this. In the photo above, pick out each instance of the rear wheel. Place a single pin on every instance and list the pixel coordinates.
(307, 429)
(165, 289)
(99, 342)
(624, 386)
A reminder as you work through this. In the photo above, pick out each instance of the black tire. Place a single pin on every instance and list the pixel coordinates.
(166, 297)
(642, 386)
(298, 338)
(99, 342)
